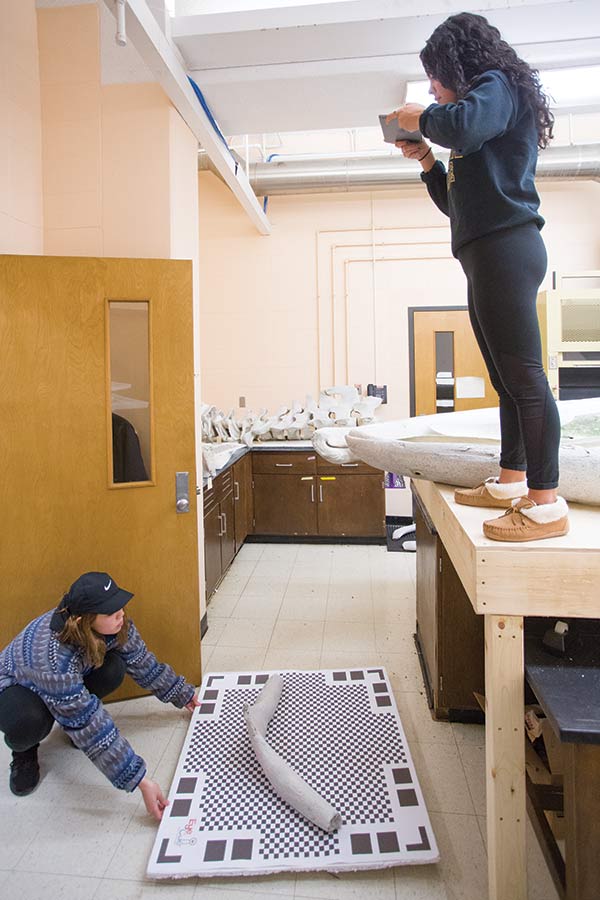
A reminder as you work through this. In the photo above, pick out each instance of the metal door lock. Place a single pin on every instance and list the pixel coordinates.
(182, 492)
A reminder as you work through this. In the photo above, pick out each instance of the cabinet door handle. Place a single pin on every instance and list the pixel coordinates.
(220, 518)
(320, 493)
(312, 493)
(283, 465)
(236, 495)
(224, 523)
(349, 465)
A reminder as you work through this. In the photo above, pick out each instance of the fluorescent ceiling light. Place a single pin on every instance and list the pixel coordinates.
(579, 86)
(576, 86)
(418, 92)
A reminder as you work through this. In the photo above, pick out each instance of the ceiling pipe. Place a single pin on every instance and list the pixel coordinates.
(121, 35)
(351, 173)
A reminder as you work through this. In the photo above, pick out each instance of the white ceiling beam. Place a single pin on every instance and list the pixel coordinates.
(337, 65)
(263, 17)
(164, 62)
(258, 44)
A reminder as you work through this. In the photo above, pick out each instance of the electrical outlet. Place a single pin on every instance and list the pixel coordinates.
(242, 402)
(377, 390)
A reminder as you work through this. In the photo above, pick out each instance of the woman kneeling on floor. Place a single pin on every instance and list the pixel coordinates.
(60, 667)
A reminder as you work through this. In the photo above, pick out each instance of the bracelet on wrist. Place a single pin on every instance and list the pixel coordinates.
(424, 155)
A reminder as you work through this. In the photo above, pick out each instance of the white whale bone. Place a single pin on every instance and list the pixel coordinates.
(331, 444)
(366, 406)
(463, 448)
(286, 783)
(346, 392)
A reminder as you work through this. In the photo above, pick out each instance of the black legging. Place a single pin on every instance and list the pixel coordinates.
(26, 720)
(504, 271)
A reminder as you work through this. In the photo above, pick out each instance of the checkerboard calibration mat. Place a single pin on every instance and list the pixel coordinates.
(340, 730)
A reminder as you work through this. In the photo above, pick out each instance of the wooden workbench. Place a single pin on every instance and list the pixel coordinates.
(505, 582)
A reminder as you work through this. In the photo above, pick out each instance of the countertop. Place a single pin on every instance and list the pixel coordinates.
(259, 446)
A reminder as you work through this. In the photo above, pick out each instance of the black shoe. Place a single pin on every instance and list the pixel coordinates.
(24, 772)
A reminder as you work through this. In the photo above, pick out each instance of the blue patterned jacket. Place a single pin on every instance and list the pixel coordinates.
(37, 660)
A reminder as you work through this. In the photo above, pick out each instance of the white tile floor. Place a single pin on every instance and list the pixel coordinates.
(280, 606)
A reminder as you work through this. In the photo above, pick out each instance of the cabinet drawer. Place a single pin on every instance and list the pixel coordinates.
(223, 484)
(281, 463)
(221, 487)
(210, 499)
(351, 468)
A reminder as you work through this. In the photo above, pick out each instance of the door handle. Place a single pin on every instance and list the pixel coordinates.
(182, 492)
(349, 465)
(320, 493)
(283, 465)
(220, 518)
(312, 493)
(224, 522)
(236, 494)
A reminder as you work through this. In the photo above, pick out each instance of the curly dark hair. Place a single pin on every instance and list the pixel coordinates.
(465, 46)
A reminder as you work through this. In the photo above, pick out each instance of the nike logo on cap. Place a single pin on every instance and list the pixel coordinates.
(106, 586)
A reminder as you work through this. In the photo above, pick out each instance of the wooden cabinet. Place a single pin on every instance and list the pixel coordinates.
(285, 492)
(285, 504)
(288, 493)
(351, 500)
(212, 546)
(449, 633)
(351, 505)
(219, 529)
(299, 494)
(243, 499)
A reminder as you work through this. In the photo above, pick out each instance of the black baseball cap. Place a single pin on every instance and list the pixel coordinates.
(94, 592)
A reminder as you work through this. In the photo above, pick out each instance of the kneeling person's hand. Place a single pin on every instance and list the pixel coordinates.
(153, 798)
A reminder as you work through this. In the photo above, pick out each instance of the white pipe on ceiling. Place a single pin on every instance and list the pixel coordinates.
(372, 173)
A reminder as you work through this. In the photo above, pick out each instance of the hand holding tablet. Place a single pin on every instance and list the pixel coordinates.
(393, 133)
(402, 124)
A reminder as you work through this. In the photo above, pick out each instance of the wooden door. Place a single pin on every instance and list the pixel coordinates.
(351, 505)
(471, 388)
(63, 513)
(242, 486)
(285, 504)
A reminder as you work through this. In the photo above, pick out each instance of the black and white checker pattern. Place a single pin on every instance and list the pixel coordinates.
(334, 736)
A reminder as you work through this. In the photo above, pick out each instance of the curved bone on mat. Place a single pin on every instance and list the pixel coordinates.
(290, 786)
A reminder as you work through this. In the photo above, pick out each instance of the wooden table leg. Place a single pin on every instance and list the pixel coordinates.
(582, 797)
(505, 757)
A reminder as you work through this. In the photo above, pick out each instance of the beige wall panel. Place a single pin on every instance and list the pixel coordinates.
(72, 160)
(136, 210)
(20, 130)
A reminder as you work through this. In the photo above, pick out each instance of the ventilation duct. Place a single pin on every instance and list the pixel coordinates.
(325, 174)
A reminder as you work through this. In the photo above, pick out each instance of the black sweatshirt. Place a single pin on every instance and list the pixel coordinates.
(492, 135)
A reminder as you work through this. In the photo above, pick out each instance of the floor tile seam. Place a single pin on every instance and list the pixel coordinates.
(126, 833)
(98, 878)
(483, 825)
(166, 747)
(240, 648)
(18, 859)
(467, 777)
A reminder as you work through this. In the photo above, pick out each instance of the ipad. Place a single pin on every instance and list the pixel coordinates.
(392, 133)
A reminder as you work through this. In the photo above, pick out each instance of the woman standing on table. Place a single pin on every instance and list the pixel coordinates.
(491, 112)
(58, 669)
